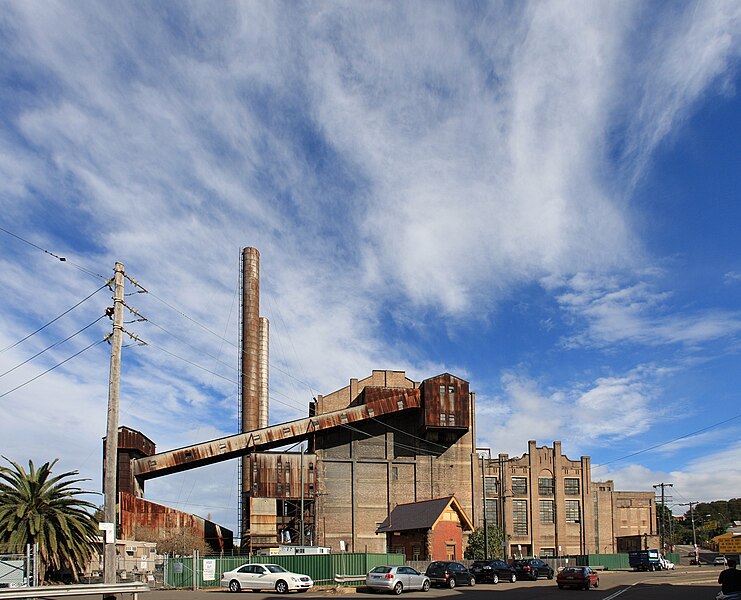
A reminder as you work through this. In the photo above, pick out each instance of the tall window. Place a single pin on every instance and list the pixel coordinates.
(519, 486)
(572, 511)
(519, 517)
(491, 510)
(546, 512)
(491, 487)
(545, 486)
(571, 486)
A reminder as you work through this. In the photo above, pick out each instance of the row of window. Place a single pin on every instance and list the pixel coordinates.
(547, 513)
(546, 486)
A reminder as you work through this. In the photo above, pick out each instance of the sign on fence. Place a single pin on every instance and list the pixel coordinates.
(209, 569)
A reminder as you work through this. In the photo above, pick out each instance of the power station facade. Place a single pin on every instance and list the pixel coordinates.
(381, 441)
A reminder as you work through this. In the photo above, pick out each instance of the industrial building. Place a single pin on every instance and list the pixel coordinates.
(378, 443)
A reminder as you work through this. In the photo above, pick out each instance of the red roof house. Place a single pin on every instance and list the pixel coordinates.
(427, 530)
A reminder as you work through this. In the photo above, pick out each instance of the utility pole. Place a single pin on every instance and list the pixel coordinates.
(111, 439)
(663, 510)
(486, 528)
(694, 534)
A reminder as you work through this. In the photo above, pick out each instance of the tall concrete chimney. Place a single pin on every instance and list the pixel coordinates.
(264, 391)
(250, 339)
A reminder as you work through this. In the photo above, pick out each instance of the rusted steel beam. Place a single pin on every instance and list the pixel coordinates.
(206, 453)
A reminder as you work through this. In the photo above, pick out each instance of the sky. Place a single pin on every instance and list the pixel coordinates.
(541, 198)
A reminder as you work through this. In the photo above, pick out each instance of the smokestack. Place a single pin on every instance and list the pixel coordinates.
(250, 339)
(264, 392)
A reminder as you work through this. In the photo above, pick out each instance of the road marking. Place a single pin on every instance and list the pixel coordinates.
(616, 594)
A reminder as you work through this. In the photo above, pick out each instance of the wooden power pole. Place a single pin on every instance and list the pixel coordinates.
(111, 439)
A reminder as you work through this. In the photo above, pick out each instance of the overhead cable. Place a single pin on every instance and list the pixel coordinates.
(54, 319)
(52, 346)
(666, 443)
(54, 367)
(60, 258)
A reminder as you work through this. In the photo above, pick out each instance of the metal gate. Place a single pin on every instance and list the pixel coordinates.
(19, 570)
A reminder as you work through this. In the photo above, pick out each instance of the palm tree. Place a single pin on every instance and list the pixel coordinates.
(36, 508)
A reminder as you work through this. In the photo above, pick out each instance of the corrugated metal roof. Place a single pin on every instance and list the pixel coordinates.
(419, 515)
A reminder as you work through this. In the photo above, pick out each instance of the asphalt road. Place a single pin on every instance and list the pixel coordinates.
(683, 583)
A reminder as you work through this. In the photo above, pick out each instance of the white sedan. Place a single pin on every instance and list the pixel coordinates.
(265, 577)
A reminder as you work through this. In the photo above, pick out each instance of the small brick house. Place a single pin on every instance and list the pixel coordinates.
(427, 530)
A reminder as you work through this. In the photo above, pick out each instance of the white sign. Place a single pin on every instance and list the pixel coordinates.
(209, 569)
(108, 528)
(342, 545)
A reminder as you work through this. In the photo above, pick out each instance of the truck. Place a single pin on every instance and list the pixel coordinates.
(645, 560)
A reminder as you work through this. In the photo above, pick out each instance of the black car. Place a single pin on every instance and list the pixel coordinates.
(532, 568)
(450, 574)
(493, 571)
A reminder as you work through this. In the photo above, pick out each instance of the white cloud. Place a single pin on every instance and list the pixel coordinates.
(598, 412)
(421, 162)
(714, 476)
(615, 312)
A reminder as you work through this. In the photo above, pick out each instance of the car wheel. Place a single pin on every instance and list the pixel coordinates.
(512, 578)
(472, 581)
(495, 578)
(426, 586)
(281, 587)
(587, 586)
(596, 583)
(398, 588)
(234, 586)
(550, 574)
(451, 583)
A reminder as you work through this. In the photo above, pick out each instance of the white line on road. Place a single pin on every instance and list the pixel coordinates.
(616, 594)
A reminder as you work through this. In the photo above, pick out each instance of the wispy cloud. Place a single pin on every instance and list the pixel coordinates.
(391, 162)
(612, 311)
(527, 410)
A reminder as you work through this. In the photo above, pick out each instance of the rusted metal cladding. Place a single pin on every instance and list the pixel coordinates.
(141, 519)
(132, 444)
(264, 390)
(279, 475)
(446, 402)
(250, 339)
(387, 398)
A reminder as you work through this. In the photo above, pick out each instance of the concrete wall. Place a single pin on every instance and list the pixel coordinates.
(547, 462)
(363, 472)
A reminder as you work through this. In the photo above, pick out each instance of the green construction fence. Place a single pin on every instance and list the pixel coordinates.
(181, 572)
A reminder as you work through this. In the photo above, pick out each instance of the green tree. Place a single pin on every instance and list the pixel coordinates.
(475, 547)
(38, 508)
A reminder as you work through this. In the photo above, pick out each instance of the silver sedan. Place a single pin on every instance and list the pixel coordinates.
(396, 579)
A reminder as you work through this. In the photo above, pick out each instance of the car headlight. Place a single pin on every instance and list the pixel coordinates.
(295, 579)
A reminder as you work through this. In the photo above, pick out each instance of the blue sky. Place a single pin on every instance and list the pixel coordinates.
(542, 198)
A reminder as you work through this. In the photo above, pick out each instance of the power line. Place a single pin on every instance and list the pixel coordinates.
(52, 346)
(676, 439)
(54, 319)
(60, 258)
(54, 367)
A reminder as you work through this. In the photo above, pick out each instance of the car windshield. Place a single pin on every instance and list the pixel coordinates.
(571, 570)
(480, 563)
(275, 569)
(381, 570)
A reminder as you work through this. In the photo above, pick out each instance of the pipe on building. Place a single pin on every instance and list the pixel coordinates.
(264, 390)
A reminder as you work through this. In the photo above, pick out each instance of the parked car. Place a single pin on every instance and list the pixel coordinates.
(578, 577)
(720, 560)
(396, 579)
(450, 574)
(666, 563)
(493, 571)
(532, 568)
(265, 577)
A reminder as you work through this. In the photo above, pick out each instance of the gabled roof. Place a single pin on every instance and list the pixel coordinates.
(422, 515)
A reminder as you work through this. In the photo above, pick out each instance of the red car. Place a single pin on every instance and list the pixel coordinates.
(579, 577)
